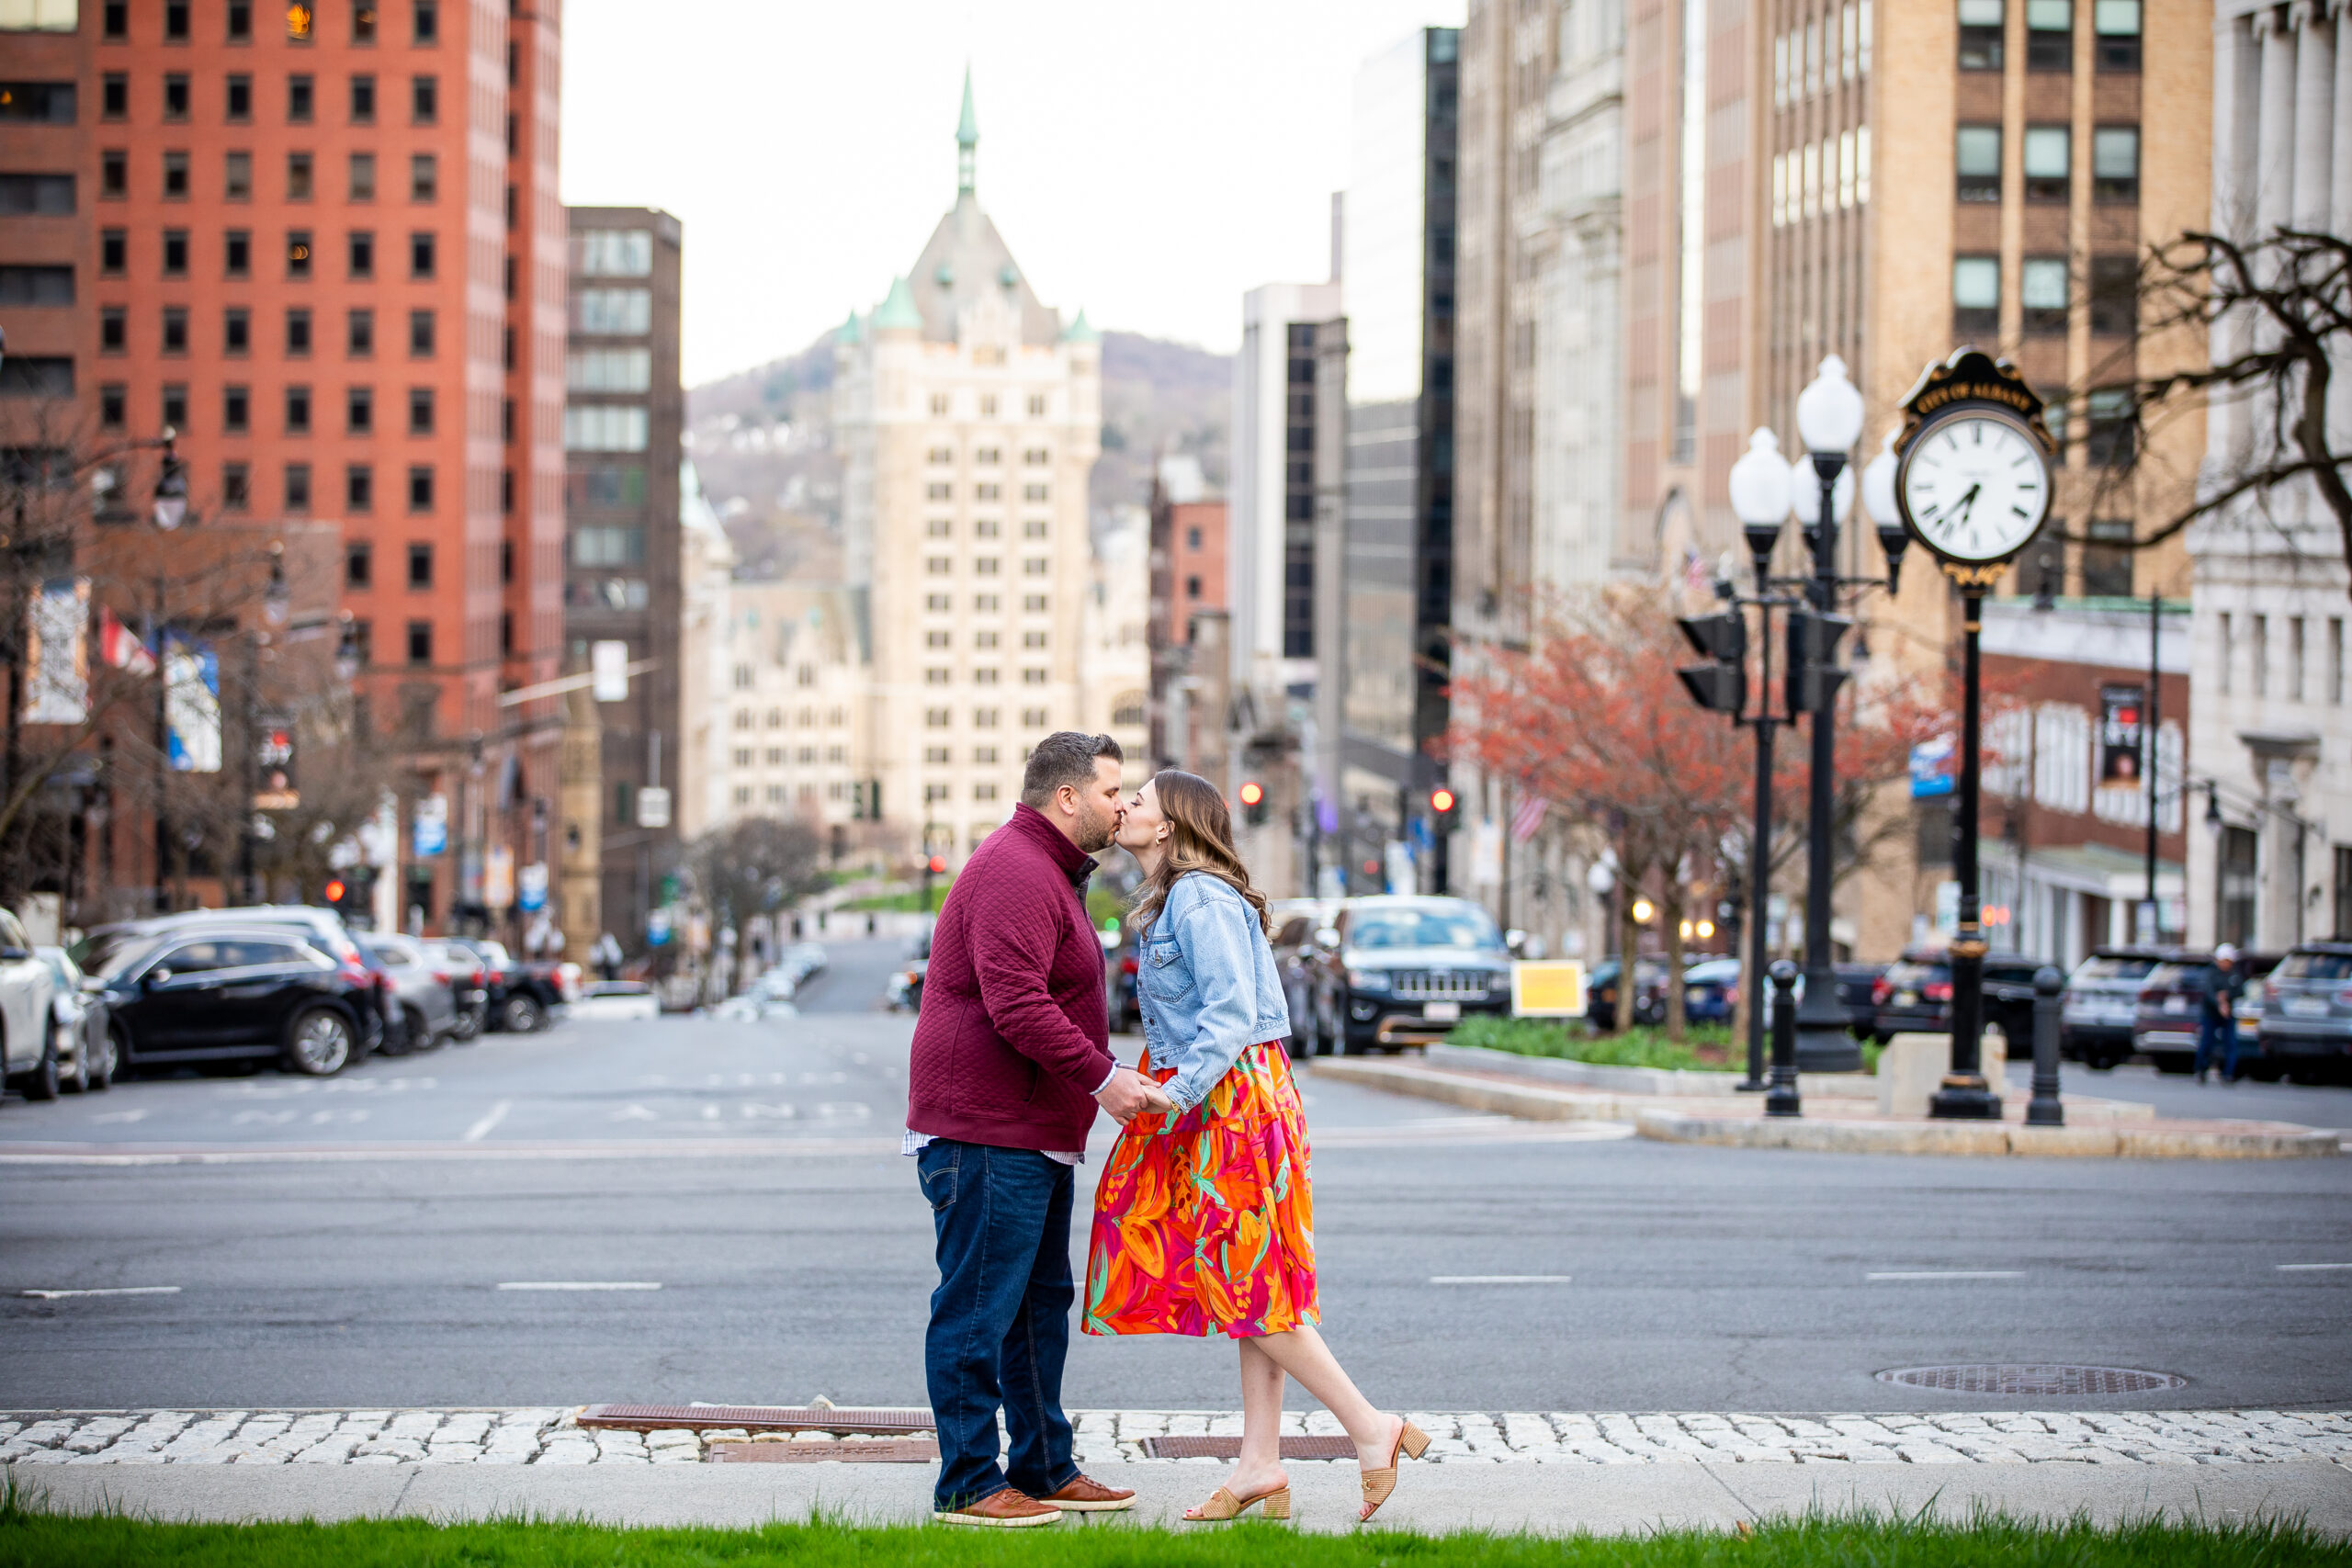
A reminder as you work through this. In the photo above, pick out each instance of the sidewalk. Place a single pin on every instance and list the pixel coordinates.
(1547, 1472)
(1681, 1108)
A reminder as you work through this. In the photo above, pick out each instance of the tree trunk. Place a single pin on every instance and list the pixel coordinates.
(1670, 921)
(1629, 939)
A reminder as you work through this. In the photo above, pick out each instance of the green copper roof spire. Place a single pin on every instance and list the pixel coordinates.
(898, 310)
(1081, 330)
(968, 138)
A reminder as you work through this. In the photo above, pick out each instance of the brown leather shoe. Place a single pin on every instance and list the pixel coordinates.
(1007, 1509)
(1088, 1495)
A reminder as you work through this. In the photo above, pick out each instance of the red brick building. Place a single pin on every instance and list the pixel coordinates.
(1188, 575)
(325, 246)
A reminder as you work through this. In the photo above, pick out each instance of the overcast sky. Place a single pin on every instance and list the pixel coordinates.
(1149, 162)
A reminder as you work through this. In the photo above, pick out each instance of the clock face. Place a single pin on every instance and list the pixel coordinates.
(1975, 486)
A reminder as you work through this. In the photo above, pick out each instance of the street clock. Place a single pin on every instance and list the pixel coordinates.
(1973, 478)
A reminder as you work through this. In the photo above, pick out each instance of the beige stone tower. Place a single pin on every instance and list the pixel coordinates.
(970, 418)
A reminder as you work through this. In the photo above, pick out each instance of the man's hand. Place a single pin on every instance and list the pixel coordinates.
(1129, 1094)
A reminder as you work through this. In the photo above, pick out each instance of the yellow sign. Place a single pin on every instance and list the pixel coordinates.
(1547, 988)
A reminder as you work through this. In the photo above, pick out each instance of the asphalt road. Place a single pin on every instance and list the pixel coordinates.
(346, 1242)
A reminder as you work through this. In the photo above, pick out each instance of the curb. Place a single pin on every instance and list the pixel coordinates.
(2265, 1140)
(1688, 1122)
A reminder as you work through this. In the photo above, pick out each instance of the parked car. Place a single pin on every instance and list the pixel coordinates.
(523, 996)
(906, 981)
(2101, 999)
(1298, 923)
(617, 1000)
(379, 1020)
(1710, 990)
(1649, 992)
(1857, 993)
(468, 975)
(1404, 970)
(424, 991)
(2172, 1000)
(27, 1040)
(1915, 995)
(85, 1030)
(212, 991)
(2304, 1028)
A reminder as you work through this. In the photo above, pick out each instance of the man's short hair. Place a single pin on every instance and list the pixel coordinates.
(1065, 757)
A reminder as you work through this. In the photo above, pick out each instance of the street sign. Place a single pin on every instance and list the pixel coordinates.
(656, 928)
(1550, 988)
(274, 758)
(430, 835)
(608, 671)
(531, 887)
(653, 807)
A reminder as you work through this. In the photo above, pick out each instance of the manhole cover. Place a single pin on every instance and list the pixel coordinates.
(2041, 1380)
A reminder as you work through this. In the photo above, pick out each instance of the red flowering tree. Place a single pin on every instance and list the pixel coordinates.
(1591, 717)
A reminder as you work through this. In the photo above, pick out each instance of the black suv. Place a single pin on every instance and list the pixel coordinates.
(218, 992)
(1915, 995)
(1404, 970)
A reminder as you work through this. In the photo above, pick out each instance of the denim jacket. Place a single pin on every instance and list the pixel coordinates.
(1209, 987)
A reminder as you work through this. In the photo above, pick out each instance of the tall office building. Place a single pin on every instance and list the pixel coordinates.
(1396, 561)
(969, 417)
(2269, 724)
(1187, 563)
(623, 412)
(325, 248)
(1269, 548)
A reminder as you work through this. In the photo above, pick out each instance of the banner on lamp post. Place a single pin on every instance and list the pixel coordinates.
(498, 878)
(192, 703)
(57, 654)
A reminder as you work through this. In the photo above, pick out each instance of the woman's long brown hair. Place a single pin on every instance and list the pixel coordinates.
(1199, 838)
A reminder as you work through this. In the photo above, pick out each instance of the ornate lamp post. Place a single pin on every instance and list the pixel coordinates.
(1761, 498)
(1973, 483)
(1829, 418)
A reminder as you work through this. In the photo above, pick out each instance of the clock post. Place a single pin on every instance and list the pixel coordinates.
(1973, 436)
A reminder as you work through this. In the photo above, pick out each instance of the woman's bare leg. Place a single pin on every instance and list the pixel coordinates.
(1301, 1353)
(1260, 1468)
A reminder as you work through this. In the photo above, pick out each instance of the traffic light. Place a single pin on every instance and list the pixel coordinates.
(1442, 803)
(938, 863)
(1722, 686)
(1813, 676)
(336, 891)
(1253, 802)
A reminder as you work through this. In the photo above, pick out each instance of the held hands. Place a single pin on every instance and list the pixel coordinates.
(1129, 1094)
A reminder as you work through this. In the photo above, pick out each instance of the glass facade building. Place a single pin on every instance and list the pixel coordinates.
(1397, 557)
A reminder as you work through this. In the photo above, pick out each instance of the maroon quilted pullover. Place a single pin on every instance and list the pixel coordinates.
(1013, 1038)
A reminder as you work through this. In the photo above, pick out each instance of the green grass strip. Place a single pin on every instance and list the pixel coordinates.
(30, 1540)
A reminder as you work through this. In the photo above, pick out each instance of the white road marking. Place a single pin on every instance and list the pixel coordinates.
(104, 1117)
(2311, 1267)
(579, 1285)
(1498, 1279)
(117, 1290)
(482, 1129)
(1947, 1274)
(634, 1113)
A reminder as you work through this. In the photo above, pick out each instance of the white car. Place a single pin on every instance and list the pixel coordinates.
(28, 1043)
(616, 1001)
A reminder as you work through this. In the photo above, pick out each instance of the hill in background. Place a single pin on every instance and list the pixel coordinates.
(762, 443)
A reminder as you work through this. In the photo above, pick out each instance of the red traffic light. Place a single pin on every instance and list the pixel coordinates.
(1440, 800)
(335, 890)
(1250, 794)
(937, 864)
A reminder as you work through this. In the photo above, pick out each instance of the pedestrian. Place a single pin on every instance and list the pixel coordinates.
(1010, 1057)
(2217, 1023)
(1205, 1217)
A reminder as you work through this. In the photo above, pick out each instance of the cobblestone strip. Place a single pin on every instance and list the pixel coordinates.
(547, 1436)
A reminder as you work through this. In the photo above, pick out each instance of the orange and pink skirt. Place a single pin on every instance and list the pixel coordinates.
(1208, 1223)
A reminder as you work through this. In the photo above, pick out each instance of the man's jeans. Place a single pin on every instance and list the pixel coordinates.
(1000, 1319)
(2218, 1037)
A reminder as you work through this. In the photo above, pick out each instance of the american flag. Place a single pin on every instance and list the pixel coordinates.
(1528, 818)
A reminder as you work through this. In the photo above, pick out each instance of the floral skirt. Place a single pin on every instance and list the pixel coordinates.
(1208, 1223)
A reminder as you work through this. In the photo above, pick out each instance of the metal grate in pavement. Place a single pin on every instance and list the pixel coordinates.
(1230, 1447)
(850, 1450)
(752, 1418)
(2016, 1379)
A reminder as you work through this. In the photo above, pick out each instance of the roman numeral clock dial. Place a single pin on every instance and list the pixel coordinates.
(1975, 486)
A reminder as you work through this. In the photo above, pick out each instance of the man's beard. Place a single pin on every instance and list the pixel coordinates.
(1096, 829)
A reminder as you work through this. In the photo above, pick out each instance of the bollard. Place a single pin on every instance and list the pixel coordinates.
(2044, 1109)
(1781, 1098)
